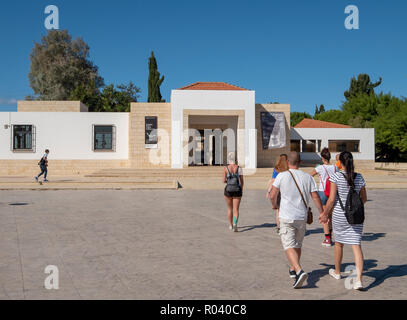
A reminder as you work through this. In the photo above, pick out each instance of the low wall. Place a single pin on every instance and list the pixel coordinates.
(391, 165)
(59, 167)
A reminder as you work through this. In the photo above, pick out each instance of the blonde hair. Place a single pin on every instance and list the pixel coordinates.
(231, 158)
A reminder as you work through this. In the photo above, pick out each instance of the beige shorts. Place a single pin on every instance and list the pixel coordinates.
(292, 233)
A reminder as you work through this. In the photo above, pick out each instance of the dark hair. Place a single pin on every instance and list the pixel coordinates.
(346, 159)
(46, 150)
(326, 154)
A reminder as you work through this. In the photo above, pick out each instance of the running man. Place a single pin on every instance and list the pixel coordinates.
(44, 166)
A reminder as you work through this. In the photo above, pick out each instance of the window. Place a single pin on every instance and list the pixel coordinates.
(296, 145)
(104, 137)
(344, 145)
(309, 146)
(23, 138)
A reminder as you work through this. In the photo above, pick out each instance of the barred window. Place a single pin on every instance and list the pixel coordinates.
(23, 138)
(104, 138)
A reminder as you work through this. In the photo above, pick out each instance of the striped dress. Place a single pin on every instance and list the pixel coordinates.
(343, 231)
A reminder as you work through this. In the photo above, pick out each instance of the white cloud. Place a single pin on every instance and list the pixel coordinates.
(6, 101)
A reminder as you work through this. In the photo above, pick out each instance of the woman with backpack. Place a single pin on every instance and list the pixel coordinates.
(281, 166)
(233, 177)
(325, 171)
(347, 199)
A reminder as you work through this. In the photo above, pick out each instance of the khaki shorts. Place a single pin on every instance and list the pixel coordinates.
(292, 233)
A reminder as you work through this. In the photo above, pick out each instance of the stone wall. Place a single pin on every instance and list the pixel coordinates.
(51, 106)
(139, 156)
(30, 168)
(267, 158)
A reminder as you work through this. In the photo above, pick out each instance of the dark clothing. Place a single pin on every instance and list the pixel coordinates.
(44, 171)
(237, 194)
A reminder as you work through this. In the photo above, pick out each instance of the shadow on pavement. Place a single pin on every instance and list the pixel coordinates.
(369, 236)
(314, 231)
(315, 275)
(264, 225)
(389, 272)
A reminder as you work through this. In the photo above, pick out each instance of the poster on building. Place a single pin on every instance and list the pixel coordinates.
(151, 132)
(273, 130)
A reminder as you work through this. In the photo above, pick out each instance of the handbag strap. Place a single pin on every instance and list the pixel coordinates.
(298, 189)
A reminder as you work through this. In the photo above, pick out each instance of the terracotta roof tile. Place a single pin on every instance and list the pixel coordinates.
(211, 86)
(310, 123)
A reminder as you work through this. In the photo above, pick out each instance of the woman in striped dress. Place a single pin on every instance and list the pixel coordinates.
(343, 231)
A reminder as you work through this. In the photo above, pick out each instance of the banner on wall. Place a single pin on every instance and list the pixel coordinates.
(273, 130)
(151, 132)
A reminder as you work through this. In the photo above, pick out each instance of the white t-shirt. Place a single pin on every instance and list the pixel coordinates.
(292, 206)
(322, 171)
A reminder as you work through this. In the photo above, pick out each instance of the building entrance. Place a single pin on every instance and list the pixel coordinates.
(210, 139)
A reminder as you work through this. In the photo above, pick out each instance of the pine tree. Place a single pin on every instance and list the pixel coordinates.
(316, 110)
(321, 109)
(361, 85)
(154, 81)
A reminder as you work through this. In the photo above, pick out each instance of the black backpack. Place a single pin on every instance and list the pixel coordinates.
(42, 162)
(354, 207)
(232, 181)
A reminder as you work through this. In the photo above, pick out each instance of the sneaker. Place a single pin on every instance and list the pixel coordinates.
(333, 274)
(358, 285)
(36, 179)
(293, 274)
(230, 228)
(278, 231)
(327, 242)
(46, 180)
(300, 279)
(235, 227)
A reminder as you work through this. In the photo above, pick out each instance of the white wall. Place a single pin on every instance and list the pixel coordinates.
(365, 136)
(213, 100)
(68, 135)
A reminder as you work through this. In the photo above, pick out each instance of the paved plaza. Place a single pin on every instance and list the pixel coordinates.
(175, 244)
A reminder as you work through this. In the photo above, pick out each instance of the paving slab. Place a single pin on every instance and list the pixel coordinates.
(169, 244)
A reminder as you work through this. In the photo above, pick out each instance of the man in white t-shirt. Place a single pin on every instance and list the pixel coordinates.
(294, 212)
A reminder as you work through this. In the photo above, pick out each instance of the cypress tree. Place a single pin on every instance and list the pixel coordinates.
(154, 81)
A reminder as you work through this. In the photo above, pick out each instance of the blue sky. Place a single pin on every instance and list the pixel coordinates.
(296, 52)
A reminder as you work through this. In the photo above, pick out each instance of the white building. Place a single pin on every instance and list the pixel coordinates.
(199, 127)
(310, 136)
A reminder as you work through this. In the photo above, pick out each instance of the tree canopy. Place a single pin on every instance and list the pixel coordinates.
(109, 99)
(61, 70)
(297, 117)
(59, 65)
(364, 108)
(361, 85)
